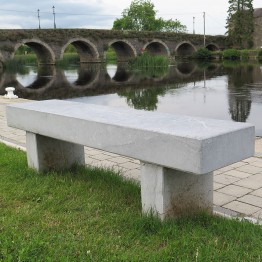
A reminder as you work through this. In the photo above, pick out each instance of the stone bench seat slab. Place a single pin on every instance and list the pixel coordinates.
(190, 144)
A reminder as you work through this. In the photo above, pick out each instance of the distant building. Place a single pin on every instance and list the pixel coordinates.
(257, 38)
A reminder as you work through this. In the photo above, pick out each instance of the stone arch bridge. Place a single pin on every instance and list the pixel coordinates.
(91, 45)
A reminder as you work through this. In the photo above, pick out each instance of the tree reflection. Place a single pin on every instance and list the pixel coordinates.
(239, 96)
(146, 99)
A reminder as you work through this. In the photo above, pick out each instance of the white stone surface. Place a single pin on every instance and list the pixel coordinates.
(189, 144)
(172, 193)
(45, 153)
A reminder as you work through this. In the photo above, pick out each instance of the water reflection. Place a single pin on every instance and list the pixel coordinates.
(239, 93)
(82, 77)
(146, 99)
(230, 91)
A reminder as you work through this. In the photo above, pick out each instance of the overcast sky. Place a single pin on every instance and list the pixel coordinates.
(101, 13)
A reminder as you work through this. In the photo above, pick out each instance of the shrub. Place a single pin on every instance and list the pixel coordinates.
(259, 57)
(231, 54)
(245, 54)
(147, 60)
(203, 53)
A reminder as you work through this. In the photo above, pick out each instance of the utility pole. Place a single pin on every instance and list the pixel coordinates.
(204, 15)
(193, 25)
(54, 16)
(39, 27)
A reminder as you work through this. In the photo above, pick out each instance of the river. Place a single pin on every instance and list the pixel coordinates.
(229, 91)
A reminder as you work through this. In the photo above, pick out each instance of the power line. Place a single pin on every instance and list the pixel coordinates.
(90, 14)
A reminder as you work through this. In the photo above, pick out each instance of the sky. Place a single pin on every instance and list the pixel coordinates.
(100, 14)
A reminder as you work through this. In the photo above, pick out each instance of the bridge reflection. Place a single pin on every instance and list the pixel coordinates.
(50, 82)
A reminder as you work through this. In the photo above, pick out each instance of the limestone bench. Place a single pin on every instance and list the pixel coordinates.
(178, 154)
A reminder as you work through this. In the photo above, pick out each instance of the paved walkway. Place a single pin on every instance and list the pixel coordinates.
(237, 188)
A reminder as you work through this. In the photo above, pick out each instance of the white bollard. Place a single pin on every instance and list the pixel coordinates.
(10, 93)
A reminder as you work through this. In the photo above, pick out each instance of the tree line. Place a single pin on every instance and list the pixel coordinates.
(141, 16)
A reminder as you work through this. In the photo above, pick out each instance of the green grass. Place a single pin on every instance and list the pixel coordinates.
(18, 63)
(147, 60)
(68, 59)
(94, 215)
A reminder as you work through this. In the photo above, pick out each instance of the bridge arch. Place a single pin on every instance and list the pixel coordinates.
(86, 76)
(44, 53)
(44, 79)
(212, 47)
(118, 73)
(185, 48)
(185, 70)
(157, 47)
(86, 50)
(124, 50)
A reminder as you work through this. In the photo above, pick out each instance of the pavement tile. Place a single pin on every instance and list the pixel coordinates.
(224, 169)
(253, 182)
(133, 174)
(258, 145)
(217, 172)
(257, 192)
(242, 208)
(226, 180)
(233, 190)
(237, 164)
(93, 152)
(221, 199)
(252, 200)
(250, 159)
(250, 169)
(257, 163)
(119, 159)
(91, 162)
(108, 164)
(110, 154)
(129, 165)
(216, 186)
(137, 161)
(100, 157)
(237, 173)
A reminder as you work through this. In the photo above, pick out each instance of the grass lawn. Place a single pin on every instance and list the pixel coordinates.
(94, 215)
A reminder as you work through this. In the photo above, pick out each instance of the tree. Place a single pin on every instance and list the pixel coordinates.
(240, 23)
(141, 16)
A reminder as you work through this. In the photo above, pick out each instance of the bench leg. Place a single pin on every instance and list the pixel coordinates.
(172, 193)
(45, 153)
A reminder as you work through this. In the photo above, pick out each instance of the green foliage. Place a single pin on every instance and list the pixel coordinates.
(24, 50)
(111, 55)
(146, 60)
(72, 216)
(244, 54)
(240, 23)
(141, 16)
(203, 53)
(259, 57)
(231, 54)
(17, 64)
(68, 59)
(70, 49)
